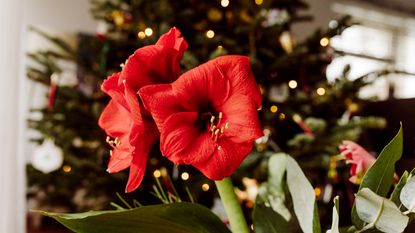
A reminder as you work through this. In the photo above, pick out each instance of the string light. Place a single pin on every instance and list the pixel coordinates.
(324, 41)
(292, 84)
(185, 176)
(210, 34)
(281, 116)
(220, 47)
(205, 187)
(317, 192)
(141, 35)
(67, 168)
(224, 3)
(148, 31)
(273, 109)
(157, 173)
(321, 91)
(259, 2)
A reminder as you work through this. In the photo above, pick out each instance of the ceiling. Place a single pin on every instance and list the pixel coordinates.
(405, 6)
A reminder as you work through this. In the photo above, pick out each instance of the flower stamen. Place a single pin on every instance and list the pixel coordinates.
(217, 130)
(113, 143)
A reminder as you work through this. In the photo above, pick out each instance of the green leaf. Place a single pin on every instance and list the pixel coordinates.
(303, 197)
(276, 170)
(378, 177)
(172, 218)
(397, 191)
(407, 196)
(379, 212)
(268, 221)
(335, 218)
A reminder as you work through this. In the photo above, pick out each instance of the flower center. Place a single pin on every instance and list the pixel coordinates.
(217, 129)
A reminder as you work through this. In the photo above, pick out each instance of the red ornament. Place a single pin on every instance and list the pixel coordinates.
(130, 128)
(208, 117)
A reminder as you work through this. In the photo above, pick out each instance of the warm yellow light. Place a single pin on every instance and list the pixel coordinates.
(324, 41)
(273, 109)
(210, 34)
(317, 191)
(259, 2)
(292, 84)
(141, 35)
(224, 3)
(205, 187)
(157, 173)
(297, 118)
(185, 176)
(321, 91)
(148, 31)
(282, 116)
(67, 168)
(220, 47)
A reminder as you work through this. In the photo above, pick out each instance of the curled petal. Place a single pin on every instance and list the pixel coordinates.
(172, 39)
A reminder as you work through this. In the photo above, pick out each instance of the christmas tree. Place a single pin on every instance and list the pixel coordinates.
(302, 113)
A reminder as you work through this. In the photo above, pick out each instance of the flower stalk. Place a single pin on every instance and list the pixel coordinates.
(232, 206)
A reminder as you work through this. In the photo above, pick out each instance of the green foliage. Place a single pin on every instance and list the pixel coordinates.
(379, 176)
(175, 218)
(266, 220)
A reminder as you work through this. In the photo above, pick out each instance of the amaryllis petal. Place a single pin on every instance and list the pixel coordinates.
(161, 101)
(113, 119)
(137, 169)
(158, 63)
(244, 126)
(236, 69)
(182, 141)
(120, 160)
(225, 160)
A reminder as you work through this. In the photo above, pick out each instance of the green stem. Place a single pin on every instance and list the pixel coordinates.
(232, 207)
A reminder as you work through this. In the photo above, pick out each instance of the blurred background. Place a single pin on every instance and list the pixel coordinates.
(328, 70)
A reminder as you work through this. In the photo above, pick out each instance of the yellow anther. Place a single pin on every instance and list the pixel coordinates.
(217, 131)
(213, 128)
(220, 115)
(212, 119)
(226, 125)
(222, 130)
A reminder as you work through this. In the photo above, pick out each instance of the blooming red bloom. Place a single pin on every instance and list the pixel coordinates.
(130, 128)
(208, 117)
(359, 158)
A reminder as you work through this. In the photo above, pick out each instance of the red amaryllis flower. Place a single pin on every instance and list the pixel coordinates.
(208, 117)
(130, 128)
(359, 158)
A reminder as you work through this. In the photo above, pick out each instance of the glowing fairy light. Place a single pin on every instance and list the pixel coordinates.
(224, 3)
(324, 41)
(205, 187)
(292, 84)
(273, 109)
(210, 34)
(157, 173)
(321, 91)
(67, 168)
(148, 31)
(259, 2)
(185, 176)
(141, 35)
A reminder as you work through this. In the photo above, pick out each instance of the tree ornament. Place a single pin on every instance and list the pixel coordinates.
(48, 157)
(275, 17)
(101, 29)
(53, 88)
(278, 93)
(287, 41)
